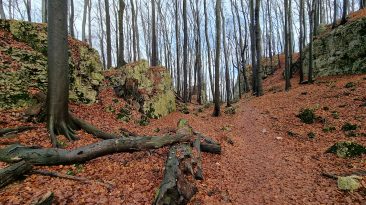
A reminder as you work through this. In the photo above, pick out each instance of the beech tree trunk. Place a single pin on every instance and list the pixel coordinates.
(216, 112)
(44, 11)
(71, 18)
(121, 48)
(58, 121)
(345, 11)
(154, 40)
(108, 34)
(208, 48)
(258, 44)
(2, 13)
(185, 52)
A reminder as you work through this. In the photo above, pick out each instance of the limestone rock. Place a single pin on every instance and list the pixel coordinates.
(23, 65)
(151, 87)
(349, 183)
(339, 51)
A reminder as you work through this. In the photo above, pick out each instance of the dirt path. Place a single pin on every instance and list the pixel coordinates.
(260, 169)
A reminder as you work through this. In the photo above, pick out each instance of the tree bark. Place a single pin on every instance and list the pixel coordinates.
(335, 14)
(345, 9)
(154, 40)
(216, 112)
(121, 61)
(208, 48)
(176, 188)
(185, 52)
(71, 19)
(44, 11)
(13, 172)
(83, 26)
(2, 13)
(108, 34)
(58, 121)
(55, 156)
(259, 76)
(226, 57)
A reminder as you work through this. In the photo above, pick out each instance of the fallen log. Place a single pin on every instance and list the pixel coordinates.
(15, 130)
(56, 156)
(198, 174)
(208, 144)
(13, 172)
(176, 188)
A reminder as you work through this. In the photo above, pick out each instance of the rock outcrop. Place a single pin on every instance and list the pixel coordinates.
(23, 65)
(341, 50)
(148, 88)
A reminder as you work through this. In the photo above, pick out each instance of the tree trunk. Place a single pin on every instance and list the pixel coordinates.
(154, 41)
(28, 5)
(208, 48)
(44, 11)
(335, 14)
(311, 22)
(108, 34)
(226, 57)
(301, 45)
(176, 188)
(253, 47)
(185, 52)
(287, 46)
(216, 112)
(2, 13)
(121, 62)
(198, 55)
(83, 26)
(344, 14)
(89, 23)
(58, 121)
(71, 19)
(259, 76)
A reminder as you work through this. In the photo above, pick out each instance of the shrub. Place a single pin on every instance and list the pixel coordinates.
(350, 85)
(307, 116)
(349, 127)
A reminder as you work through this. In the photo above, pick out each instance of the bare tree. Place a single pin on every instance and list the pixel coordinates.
(208, 47)
(28, 6)
(344, 13)
(226, 58)
(108, 34)
(177, 47)
(185, 52)
(44, 11)
(2, 13)
(83, 25)
(71, 18)
(258, 44)
(121, 47)
(154, 41)
(216, 112)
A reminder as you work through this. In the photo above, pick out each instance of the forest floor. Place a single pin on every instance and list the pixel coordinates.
(267, 158)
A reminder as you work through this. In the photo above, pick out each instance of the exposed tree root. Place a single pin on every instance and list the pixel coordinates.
(334, 176)
(69, 177)
(8, 131)
(13, 172)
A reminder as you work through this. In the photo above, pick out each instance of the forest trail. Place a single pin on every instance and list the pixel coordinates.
(258, 168)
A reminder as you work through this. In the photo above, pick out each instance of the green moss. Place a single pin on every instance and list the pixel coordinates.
(347, 149)
(182, 123)
(311, 135)
(307, 116)
(85, 72)
(124, 114)
(329, 129)
(349, 183)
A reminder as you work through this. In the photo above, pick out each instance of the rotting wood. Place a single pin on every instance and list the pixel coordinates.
(176, 187)
(13, 172)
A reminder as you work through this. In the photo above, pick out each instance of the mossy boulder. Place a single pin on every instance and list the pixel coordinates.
(23, 65)
(340, 51)
(347, 149)
(151, 87)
